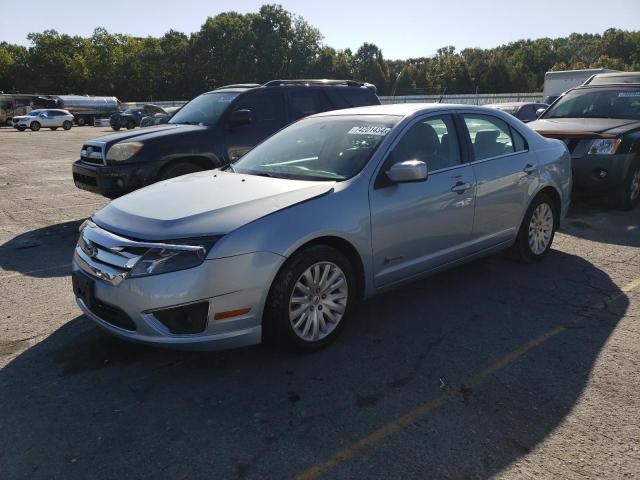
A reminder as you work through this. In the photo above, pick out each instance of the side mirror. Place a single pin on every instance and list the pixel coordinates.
(407, 171)
(42, 115)
(539, 112)
(240, 117)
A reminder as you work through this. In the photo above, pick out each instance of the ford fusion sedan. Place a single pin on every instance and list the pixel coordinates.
(333, 209)
(600, 123)
(51, 118)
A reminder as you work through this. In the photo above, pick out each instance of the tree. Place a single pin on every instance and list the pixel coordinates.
(368, 65)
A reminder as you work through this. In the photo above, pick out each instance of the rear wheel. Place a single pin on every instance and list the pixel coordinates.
(628, 196)
(178, 169)
(310, 299)
(81, 121)
(537, 230)
(35, 126)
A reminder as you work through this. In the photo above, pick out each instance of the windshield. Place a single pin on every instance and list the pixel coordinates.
(205, 109)
(597, 103)
(321, 148)
(34, 113)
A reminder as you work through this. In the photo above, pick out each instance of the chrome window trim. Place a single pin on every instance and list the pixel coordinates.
(499, 156)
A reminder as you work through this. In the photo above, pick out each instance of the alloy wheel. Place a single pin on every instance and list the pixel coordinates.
(318, 301)
(540, 228)
(635, 185)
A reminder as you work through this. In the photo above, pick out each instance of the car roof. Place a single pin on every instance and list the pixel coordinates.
(300, 83)
(626, 78)
(400, 109)
(511, 104)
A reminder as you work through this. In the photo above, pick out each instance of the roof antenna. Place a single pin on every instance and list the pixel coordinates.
(444, 92)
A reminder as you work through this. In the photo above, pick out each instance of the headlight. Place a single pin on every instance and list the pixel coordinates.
(173, 256)
(604, 146)
(123, 151)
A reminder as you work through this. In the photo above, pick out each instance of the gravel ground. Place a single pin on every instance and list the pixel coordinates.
(494, 369)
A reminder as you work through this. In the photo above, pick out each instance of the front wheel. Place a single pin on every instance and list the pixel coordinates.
(130, 125)
(178, 169)
(628, 196)
(115, 128)
(537, 230)
(21, 129)
(53, 128)
(35, 126)
(310, 300)
(66, 125)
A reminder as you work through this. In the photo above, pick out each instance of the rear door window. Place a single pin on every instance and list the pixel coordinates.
(490, 136)
(267, 109)
(307, 102)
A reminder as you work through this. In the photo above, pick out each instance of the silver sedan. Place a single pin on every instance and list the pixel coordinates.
(282, 245)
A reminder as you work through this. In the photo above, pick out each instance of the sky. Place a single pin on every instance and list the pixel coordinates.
(401, 28)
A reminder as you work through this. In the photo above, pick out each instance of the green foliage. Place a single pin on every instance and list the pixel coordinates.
(273, 43)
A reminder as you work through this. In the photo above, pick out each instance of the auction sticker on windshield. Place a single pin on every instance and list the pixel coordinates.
(364, 130)
(629, 94)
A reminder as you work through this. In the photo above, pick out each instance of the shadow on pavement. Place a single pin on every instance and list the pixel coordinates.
(590, 220)
(81, 404)
(44, 252)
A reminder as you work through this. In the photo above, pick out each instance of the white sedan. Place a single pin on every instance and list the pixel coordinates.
(50, 118)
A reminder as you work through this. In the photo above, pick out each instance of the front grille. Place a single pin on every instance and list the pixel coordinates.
(92, 153)
(86, 179)
(112, 315)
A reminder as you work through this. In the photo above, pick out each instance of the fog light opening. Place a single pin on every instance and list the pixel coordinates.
(601, 173)
(120, 183)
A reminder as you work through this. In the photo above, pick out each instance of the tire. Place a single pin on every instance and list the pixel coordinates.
(81, 121)
(178, 169)
(53, 128)
(537, 230)
(21, 129)
(115, 128)
(628, 196)
(130, 125)
(35, 126)
(283, 326)
(66, 125)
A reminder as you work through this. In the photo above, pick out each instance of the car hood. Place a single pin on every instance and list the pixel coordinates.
(166, 130)
(22, 117)
(204, 203)
(584, 126)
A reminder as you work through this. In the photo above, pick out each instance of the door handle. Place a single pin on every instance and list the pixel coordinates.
(460, 187)
(529, 169)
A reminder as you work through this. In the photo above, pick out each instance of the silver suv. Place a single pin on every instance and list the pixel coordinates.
(51, 118)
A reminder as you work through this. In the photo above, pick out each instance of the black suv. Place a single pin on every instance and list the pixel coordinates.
(600, 124)
(128, 119)
(211, 131)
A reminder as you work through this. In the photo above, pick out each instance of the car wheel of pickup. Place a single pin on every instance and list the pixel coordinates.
(35, 126)
(310, 299)
(628, 196)
(66, 125)
(537, 230)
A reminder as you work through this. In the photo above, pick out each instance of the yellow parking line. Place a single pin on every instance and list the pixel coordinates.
(421, 411)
